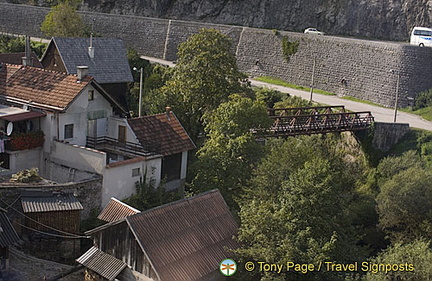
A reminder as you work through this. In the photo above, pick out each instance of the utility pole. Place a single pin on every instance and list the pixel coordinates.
(397, 97)
(312, 82)
(140, 90)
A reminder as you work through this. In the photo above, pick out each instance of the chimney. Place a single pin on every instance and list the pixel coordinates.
(82, 72)
(27, 60)
(91, 48)
(168, 111)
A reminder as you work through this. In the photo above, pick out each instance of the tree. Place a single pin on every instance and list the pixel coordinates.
(63, 21)
(405, 205)
(412, 262)
(228, 156)
(296, 209)
(205, 75)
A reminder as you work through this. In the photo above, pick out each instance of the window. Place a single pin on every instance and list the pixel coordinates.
(135, 172)
(90, 95)
(68, 131)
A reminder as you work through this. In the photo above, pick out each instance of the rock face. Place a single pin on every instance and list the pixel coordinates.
(382, 19)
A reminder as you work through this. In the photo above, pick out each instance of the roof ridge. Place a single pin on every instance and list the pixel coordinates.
(186, 199)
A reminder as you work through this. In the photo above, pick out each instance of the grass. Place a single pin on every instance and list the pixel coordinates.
(425, 113)
(362, 101)
(280, 82)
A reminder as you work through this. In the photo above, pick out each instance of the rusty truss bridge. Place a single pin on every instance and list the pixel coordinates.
(314, 120)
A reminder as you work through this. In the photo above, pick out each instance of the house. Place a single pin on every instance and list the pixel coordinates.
(105, 57)
(8, 237)
(166, 132)
(17, 58)
(69, 127)
(49, 218)
(181, 241)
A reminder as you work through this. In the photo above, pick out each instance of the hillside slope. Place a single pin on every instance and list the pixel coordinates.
(383, 19)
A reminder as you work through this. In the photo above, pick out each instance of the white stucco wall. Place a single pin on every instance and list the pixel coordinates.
(25, 159)
(118, 181)
(78, 157)
(78, 113)
(114, 123)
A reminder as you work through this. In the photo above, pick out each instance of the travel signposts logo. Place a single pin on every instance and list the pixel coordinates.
(228, 267)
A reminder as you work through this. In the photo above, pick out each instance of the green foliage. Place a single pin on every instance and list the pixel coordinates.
(9, 44)
(289, 48)
(297, 208)
(391, 166)
(148, 196)
(423, 99)
(405, 205)
(415, 257)
(205, 75)
(229, 154)
(63, 21)
(28, 175)
(268, 96)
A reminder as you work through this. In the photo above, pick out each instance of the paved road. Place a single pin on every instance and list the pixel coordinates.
(381, 114)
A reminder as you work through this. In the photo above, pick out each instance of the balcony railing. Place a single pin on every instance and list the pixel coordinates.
(111, 144)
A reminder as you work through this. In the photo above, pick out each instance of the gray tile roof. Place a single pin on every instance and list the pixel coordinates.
(102, 263)
(110, 64)
(8, 235)
(47, 201)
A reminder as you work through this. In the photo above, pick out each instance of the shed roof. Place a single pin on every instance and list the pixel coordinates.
(102, 263)
(48, 201)
(163, 129)
(116, 210)
(8, 235)
(109, 65)
(187, 239)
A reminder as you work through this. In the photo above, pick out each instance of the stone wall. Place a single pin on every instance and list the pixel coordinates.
(89, 193)
(388, 134)
(363, 65)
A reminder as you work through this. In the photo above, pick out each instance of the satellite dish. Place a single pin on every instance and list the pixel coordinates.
(9, 128)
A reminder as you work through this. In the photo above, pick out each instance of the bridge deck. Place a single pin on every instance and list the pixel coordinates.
(314, 122)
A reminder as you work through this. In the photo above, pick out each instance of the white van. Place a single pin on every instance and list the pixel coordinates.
(421, 36)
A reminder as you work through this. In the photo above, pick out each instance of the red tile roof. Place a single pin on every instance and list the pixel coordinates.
(163, 129)
(187, 239)
(42, 87)
(16, 58)
(116, 210)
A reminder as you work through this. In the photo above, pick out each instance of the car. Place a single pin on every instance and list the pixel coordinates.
(312, 30)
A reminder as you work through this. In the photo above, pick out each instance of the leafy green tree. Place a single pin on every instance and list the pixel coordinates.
(296, 209)
(228, 156)
(63, 21)
(414, 257)
(405, 205)
(205, 75)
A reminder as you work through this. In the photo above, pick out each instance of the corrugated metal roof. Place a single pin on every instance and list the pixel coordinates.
(102, 263)
(8, 235)
(116, 210)
(187, 239)
(36, 202)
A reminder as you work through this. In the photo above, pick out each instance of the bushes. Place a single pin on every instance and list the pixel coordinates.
(424, 99)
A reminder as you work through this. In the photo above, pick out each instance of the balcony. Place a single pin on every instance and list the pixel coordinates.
(130, 149)
(23, 141)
